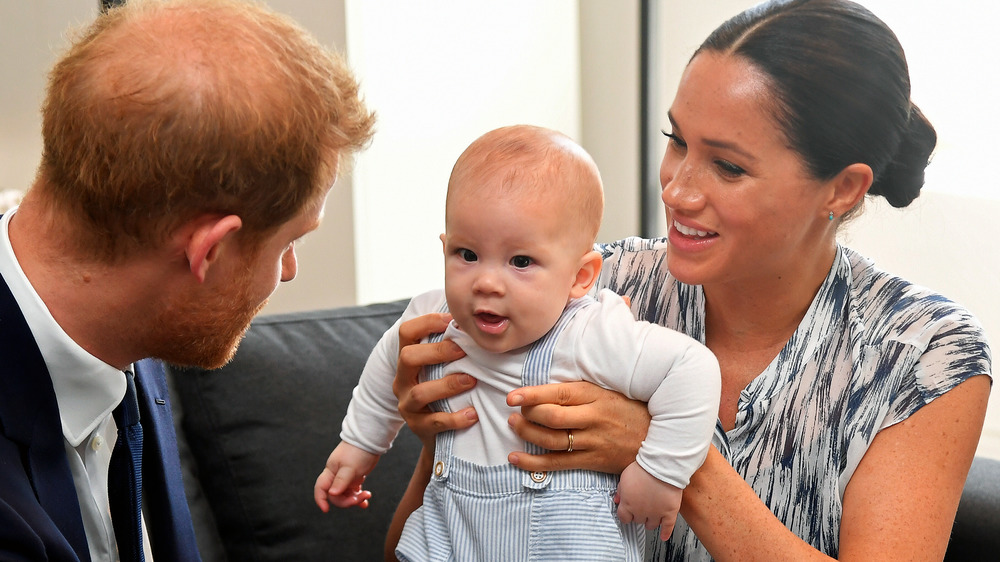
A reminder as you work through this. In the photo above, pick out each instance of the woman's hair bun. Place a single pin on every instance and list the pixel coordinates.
(903, 177)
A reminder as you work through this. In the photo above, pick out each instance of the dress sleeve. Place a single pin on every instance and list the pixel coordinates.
(954, 349)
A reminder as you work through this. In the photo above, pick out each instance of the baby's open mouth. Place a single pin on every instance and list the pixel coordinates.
(491, 323)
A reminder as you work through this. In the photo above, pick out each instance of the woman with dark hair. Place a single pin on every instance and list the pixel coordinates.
(852, 401)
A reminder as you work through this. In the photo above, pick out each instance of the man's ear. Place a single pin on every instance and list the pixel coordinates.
(849, 187)
(586, 275)
(202, 247)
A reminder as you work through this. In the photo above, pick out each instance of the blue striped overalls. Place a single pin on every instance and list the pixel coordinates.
(490, 513)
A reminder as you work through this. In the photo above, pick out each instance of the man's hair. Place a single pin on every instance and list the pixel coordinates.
(162, 111)
(537, 164)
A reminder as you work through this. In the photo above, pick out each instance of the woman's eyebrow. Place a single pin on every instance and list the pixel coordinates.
(715, 143)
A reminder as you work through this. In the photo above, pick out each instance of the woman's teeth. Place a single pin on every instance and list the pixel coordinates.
(690, 231)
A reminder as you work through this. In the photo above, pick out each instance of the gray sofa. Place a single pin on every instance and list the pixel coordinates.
(255, 434)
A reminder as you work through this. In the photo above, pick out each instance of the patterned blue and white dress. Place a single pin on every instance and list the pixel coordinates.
(871, 350)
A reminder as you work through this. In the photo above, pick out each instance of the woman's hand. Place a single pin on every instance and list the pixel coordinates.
(607, 427)
(415, 397)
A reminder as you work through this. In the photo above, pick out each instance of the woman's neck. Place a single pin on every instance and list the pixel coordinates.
(765, 309)
(747, 323)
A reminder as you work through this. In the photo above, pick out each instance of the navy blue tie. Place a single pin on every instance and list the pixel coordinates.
(125, 477)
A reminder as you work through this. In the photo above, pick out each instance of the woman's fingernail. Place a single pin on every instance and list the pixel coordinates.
(513, 458)
(516, 400)
(471, 414)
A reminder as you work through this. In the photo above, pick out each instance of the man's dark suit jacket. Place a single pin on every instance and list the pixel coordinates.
(39, 511)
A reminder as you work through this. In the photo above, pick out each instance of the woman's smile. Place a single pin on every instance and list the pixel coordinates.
(693, 232)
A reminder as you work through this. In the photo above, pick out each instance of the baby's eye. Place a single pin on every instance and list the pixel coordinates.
(520, 262)
(468, 255)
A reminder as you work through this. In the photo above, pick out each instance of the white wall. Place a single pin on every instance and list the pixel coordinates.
(440, 74)
(609, 108)
(326, 257)
(31, 37)
(953, 56)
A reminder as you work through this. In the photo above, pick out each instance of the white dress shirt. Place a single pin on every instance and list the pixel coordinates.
(87, 391)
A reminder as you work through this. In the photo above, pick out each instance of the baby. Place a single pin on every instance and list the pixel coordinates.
(523, 208)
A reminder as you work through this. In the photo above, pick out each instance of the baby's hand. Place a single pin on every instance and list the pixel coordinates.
(340, 482)
(644, 499)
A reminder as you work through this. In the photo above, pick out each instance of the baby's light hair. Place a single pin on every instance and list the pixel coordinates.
(538, 165)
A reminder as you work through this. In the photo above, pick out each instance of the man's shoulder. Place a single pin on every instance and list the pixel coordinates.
(25, 389)
(25, 527)
(29, 456)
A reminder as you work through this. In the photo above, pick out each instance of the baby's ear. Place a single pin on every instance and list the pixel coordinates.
(586, 275)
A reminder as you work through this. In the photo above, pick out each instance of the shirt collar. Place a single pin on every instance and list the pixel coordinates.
(87, 389)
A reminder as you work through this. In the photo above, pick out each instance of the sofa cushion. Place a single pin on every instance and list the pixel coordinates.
(260, 430)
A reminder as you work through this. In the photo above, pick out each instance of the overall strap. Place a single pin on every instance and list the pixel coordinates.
(537, 366)
(446, 439)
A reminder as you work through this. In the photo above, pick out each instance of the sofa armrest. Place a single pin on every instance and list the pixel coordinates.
(976, 534)
(260, 429)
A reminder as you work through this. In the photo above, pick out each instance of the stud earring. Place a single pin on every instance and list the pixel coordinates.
(831, 215)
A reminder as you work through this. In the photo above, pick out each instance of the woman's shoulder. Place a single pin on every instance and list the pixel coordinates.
(632, 246)
(633, 260)
(892, 307)
(926, 342)
(637, 268)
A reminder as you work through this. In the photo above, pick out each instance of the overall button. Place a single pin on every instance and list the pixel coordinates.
(538, 475)
(439, 468)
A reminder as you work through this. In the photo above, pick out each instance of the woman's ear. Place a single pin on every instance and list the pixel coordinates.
(203, 243)
(586, 275)
(849, 187)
